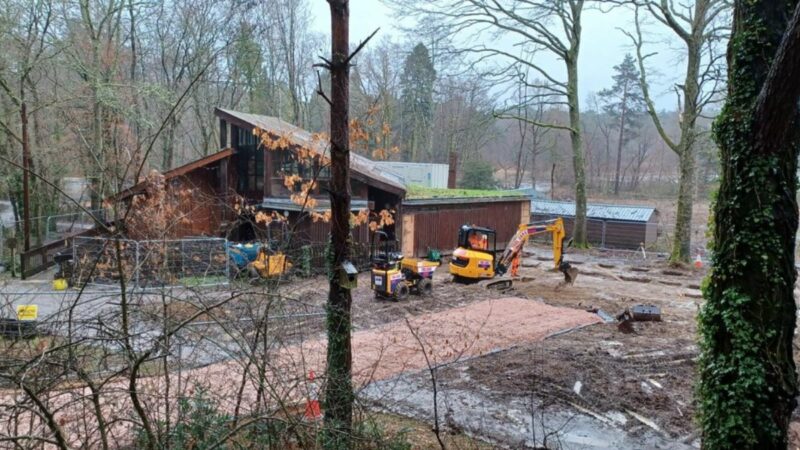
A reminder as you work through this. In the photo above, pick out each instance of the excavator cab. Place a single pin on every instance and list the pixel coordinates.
(475, 257)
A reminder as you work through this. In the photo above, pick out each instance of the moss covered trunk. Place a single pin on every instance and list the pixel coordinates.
(339, 388)
(748, 381)
(682, 242)
(578, 160)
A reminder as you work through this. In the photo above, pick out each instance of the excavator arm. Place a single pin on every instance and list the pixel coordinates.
(524, 232)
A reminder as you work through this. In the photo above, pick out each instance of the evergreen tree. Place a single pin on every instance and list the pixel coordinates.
(477, 174)
(416, 84)
(624, 104)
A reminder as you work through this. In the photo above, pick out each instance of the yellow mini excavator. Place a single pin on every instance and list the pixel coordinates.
(476, 258)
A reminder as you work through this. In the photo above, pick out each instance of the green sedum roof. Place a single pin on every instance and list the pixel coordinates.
(419, 192)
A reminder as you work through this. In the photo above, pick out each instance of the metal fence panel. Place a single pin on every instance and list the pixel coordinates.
(155, 263)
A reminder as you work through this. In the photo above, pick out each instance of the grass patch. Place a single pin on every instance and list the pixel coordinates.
(196, 281)
(419, 192)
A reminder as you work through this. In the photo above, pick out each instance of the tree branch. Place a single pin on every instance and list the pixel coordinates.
(776, 108)
(532, 121)
(651, 108)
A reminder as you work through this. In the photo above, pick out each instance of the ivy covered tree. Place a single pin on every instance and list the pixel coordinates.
(624, 105)
(748, 379)
(416, 84)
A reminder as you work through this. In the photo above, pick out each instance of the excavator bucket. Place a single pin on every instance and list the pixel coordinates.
(570, 273)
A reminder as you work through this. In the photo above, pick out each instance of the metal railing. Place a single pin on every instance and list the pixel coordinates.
(60, 225)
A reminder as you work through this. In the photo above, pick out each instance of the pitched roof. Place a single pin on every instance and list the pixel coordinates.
(594, 211)
(363, 169)
(177, 172)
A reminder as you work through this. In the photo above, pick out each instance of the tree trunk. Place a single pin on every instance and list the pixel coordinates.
(682, 242)
(26, 166)
(338, 388)
(620, 140)
(681, 246)
(578, 162)
(169, 144)
(96, 153)
(748, 380)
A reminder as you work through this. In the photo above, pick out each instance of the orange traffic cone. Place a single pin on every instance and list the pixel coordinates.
(313, 410)
(698, 262)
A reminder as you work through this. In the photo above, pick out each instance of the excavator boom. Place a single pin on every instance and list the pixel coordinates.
(474, 260)
(524, 232)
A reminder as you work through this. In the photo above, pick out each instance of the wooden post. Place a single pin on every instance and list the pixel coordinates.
(26, 166)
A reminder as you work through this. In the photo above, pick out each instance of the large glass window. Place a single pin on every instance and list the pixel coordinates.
(250, 162)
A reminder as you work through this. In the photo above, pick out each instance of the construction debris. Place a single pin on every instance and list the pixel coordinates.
(635, 279)
(607, 318)
(646, 313)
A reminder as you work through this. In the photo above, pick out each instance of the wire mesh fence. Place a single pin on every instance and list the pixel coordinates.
(60, 225)
(155, 263)
(198, 261)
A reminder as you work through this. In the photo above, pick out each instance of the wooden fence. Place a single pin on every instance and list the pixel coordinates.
(38, 259)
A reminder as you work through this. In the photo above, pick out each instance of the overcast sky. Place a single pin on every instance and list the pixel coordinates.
(603, 45)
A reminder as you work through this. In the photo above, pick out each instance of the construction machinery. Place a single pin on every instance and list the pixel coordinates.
(265, 259)
(395, 276)
(476, 258)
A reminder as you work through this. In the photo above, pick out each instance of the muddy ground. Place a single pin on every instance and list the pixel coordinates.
(640, 383)
(589, 387)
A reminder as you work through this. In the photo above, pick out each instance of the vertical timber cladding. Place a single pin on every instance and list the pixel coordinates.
(435, 225)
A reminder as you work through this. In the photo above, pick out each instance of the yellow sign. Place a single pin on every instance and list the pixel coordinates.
(27, 312)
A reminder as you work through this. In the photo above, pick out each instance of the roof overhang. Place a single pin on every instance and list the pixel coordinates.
(286, 204)
(177, 172)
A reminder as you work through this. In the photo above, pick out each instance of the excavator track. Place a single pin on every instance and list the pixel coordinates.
(497, 284)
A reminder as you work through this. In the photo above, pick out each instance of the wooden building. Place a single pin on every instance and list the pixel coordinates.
(208, 190)
(434, 222)
(260, 175)
(607, 226)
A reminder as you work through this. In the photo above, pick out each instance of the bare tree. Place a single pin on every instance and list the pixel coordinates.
(553, 27)
(339, 386)
(701, 29)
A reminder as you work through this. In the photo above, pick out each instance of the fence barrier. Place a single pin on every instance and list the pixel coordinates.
(189, 262)
(615, 234)
(153, 263)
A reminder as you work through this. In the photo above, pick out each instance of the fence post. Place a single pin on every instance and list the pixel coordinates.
(227, 259)
(137, 267)
(603, 235)
(47, 228)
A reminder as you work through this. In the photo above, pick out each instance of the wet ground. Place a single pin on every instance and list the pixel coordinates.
(584, 386)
